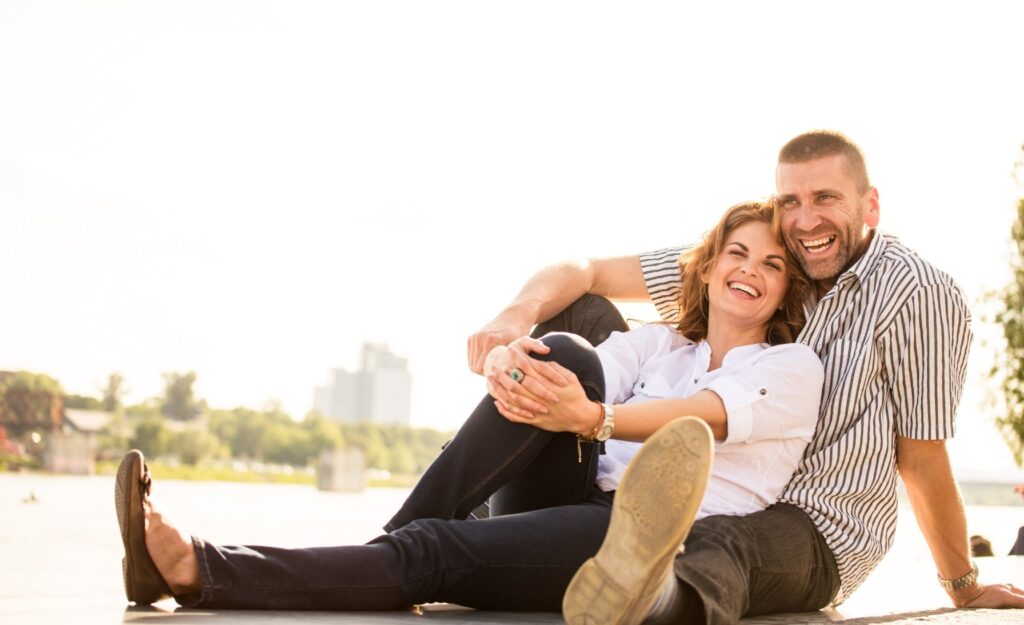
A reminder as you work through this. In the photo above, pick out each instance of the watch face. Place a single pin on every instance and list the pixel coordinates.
(605, 432)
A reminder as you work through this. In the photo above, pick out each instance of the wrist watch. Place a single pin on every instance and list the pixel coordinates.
(607, 427)
(964, 581)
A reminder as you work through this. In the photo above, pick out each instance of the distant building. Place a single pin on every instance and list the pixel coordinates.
(379, 392)
(71, 448)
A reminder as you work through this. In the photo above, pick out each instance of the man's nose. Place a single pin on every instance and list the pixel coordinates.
(807, 218)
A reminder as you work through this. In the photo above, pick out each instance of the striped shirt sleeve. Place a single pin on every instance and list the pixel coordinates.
(661, 273)
(933, 338)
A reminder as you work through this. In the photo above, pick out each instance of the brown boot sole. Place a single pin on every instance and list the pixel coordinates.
(655, 504)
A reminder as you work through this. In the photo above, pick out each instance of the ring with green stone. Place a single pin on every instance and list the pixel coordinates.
(517, 375)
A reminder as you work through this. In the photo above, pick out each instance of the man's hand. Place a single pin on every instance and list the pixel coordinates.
(551, 290)
(992, 596)
(928, 477)
(541, 381)
(499, 332)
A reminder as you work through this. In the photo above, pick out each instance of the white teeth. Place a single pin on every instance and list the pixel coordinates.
(749, 290)
(817, 244)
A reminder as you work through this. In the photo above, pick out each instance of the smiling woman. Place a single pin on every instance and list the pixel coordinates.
(567, 480)
(745, 246)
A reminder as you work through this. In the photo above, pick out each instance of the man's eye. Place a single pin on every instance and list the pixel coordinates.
(788, 203)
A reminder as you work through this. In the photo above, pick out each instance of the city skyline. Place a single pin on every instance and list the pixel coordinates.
(378, 392)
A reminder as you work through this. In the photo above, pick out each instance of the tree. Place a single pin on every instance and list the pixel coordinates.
(112, 392)
(179, 400)
(82, 402)
(151, 436)
(30, 402)
(1009, 366)
(193, 445)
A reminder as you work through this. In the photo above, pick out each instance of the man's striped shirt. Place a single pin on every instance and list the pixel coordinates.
(893, 335)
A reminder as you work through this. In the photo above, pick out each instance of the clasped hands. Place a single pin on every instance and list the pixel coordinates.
(549, 397)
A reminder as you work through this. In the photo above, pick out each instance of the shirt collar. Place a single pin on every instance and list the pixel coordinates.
(859, 270)
(703, 360)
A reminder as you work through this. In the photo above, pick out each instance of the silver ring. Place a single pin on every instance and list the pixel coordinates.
(517, 375)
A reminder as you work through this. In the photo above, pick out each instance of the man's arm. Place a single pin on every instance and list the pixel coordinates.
(927, 474)
(551, 290)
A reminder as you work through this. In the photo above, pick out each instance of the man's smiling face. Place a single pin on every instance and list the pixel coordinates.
(825, 217)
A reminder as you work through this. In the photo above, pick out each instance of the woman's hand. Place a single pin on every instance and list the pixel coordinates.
(572, 412)
(536, 392)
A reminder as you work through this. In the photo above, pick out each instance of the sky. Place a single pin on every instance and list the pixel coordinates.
(252, 189)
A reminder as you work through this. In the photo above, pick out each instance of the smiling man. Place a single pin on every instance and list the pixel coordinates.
(893, 334)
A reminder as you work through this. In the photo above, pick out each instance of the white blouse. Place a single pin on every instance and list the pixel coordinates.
(771, 396)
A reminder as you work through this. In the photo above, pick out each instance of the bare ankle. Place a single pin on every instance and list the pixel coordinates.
(172, 552)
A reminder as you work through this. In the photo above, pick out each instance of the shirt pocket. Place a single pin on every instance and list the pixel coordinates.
(651, 385)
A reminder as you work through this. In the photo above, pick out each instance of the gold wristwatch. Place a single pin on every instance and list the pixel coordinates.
(607, 427)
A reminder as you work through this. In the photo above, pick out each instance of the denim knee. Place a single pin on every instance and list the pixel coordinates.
(576, 354)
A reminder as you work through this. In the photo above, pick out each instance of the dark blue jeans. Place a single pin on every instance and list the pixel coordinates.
(548, 517)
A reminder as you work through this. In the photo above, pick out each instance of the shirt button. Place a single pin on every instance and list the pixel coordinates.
(643, 384)
(695, 380)
(763, 391)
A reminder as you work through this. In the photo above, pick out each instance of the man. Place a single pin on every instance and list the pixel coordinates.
(893, 334)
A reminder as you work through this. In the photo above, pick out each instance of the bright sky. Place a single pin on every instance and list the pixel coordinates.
(251, 189)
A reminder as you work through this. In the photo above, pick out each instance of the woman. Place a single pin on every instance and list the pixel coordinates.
(759, 401)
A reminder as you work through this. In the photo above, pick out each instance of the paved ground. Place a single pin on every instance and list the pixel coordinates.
(59, 563)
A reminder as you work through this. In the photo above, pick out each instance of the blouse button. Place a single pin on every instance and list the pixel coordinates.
(695, 380)
(643, 384)
(763, 391)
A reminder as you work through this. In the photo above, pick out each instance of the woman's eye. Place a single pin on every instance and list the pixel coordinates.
(774, 266)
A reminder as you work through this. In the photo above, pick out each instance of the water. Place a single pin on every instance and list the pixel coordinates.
(65, 545)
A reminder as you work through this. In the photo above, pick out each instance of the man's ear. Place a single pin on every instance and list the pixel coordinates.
(871, 214)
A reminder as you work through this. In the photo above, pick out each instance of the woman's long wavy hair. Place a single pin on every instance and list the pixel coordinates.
(696, 262)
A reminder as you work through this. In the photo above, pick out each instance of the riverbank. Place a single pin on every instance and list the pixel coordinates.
(239, 472)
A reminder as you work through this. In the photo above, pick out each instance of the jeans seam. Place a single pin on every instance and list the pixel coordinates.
(501, 467)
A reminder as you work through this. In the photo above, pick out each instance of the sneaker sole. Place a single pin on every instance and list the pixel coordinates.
(657, 500)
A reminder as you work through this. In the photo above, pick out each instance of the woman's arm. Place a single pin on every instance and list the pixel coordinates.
(635, 422)
(774, 396)
(574, 412)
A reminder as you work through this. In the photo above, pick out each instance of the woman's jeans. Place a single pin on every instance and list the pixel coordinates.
(547, 518)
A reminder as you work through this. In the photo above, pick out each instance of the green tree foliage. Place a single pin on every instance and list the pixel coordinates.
(151, 436)
(1009, 366)
(82, 402)
(179, 400)
(395, 448)
(193, 445)
(30, 402)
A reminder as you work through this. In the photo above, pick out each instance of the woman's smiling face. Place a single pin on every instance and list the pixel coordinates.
(748, 280)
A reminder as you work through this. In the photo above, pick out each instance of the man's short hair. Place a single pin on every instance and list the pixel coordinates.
(823, 143)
